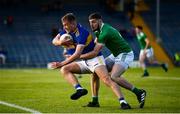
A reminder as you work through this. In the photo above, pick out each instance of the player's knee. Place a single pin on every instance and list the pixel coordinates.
(64, 69)
(114, 78)
(141, 61)
(115, 75)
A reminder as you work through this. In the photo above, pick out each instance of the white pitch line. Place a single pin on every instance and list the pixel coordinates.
(20, 107)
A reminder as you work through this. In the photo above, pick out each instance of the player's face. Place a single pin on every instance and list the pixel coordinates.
(137, 30)
(95, 24)
(68, 26)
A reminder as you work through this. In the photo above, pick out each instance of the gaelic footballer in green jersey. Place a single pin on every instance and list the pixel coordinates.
(122, 55)
(146, 51)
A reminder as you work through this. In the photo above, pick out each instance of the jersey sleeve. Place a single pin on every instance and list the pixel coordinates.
(101, 39)
(143, 35)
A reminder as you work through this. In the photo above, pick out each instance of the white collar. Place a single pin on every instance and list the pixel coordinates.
(101, 26)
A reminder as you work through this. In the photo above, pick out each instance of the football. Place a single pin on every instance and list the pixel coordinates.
(49, 66)
(65, 37)
(66, 40)
(52, 65)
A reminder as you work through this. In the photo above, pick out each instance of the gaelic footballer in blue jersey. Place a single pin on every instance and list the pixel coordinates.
(81, 37)
(84, 43)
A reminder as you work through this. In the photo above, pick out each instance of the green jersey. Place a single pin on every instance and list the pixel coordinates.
(113, 40)
(141, 39)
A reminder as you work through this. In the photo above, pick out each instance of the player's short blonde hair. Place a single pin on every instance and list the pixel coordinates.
(69, 17)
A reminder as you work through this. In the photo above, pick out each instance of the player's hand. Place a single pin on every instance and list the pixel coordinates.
(67, 42)
(54, 65)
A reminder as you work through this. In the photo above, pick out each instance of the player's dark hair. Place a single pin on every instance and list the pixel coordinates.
(69, 17)
(95, 15)
(139, 27)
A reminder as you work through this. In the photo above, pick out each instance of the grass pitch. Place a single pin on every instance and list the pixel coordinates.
(47, 92)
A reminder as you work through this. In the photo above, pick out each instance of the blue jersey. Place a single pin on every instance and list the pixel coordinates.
(70, 51)
(83, 37)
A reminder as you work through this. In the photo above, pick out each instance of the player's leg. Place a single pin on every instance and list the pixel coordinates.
(142, 57)
(67, 72)
(97, 65)
(152, 60)
(3, 58)
(150, 57)
(102, 73)
(95, 84)
(121, 64)
(116, 76)
(117, 70)
(140, 93)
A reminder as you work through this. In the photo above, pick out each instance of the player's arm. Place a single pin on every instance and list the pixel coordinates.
(147, 43)
(74, 56)
(71, 58)
(93, 53)
(56, 40)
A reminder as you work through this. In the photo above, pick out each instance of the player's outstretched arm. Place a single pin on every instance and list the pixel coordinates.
(93, 53)
(76, 55)
(73, 57)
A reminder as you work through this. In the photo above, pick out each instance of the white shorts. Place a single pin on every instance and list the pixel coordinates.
(149, 53)
(89, 66)
(124, 59)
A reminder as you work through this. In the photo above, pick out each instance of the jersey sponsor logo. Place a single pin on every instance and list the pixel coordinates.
(77, 33)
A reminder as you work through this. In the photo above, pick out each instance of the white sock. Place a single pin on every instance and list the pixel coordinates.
(123, 101)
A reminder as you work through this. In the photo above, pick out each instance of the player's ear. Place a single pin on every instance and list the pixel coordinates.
(100, 21)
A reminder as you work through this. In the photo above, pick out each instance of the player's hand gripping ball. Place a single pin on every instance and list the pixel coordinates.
(66, 40)
(53, 65)
(50, 66)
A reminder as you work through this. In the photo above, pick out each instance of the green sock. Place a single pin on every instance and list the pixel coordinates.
(145, 71)
(136, 91)
(95, 99)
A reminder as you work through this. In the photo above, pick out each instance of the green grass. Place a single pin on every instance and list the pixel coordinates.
(46, 91)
